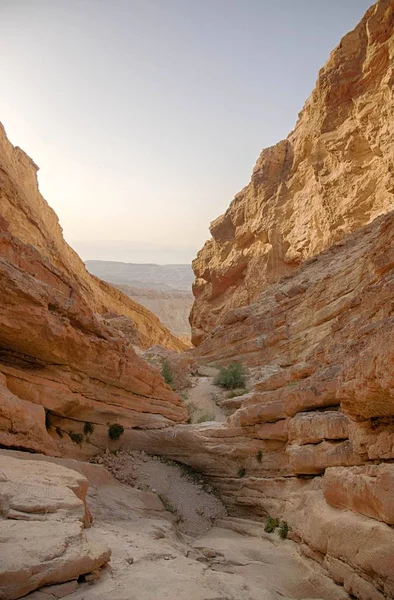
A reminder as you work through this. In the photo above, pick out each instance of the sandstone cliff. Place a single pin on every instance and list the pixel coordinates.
(312, 442)
(32, 221)
(66, 370)
(333, 174)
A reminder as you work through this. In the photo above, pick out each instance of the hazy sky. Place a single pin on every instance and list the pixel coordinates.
(147, 116)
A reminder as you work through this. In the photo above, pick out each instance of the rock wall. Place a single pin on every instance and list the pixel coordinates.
(333, 174)
(65, 372)
(313, 441)
(32, 221)
(43, 540)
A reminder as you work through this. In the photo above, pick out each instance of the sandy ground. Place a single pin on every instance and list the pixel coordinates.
(153, 560)
(182, 491)
(202, 400)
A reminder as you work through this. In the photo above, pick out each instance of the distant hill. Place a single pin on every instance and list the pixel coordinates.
(154, 277)
(164, 289)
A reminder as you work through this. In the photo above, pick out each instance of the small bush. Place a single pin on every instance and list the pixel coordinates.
(167, 373)
(59, 432)
(77, 438)
(231, 377)
(271, 525)
(242, 472)
(115, 431)
(88, 428)
(259, 456)
(283, 530)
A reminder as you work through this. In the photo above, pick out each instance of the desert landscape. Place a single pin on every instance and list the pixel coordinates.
(255, 463)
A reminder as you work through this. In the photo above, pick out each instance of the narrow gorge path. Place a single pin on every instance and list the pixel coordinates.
(163, 552)
(203, 401)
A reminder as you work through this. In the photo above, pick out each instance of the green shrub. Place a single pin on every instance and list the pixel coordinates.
(271, 525)
(283, 530)
(242, 472)
(115, 431)
(259, 456)
(231, 377)
(167, 373)
(88, 428)
(77, 438)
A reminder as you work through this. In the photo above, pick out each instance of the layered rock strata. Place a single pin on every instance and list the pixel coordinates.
(43, 515)
(64, 370)
(313, 441)
(333, 174)
(33, 222)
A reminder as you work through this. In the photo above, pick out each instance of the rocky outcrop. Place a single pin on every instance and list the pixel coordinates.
(312, 442)
(43, 514)
(171, 306)
(64, 369)
(33, 222)
(332, 175)
(150, 559)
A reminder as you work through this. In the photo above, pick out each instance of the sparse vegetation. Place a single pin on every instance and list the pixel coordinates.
(259, 456)
(77, 438)
(242, 472)
(231, 377)
(283, 530)
(88, 428)
(271, 525)
(167, 373)
(59, 432)
(167, 504)
(115, 431)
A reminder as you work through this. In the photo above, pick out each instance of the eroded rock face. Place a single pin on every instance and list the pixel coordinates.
(63, 366)
(32, 221)
(42, 518)
(313, 440)
(333, 174)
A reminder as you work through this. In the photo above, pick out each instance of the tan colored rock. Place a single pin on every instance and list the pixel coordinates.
(60, 590)
(22, 424)
(42, 538)
(332, 175)
(357, 586)
(22, 495)
(58, 354)
(365, 545)
(315, 458)
(32, 221)
(312, 427)
(367, 490)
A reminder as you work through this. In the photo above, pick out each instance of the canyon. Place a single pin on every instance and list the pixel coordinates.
(297, 284)
(330, 176)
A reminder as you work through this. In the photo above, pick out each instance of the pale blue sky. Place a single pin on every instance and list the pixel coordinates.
(147, 116)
